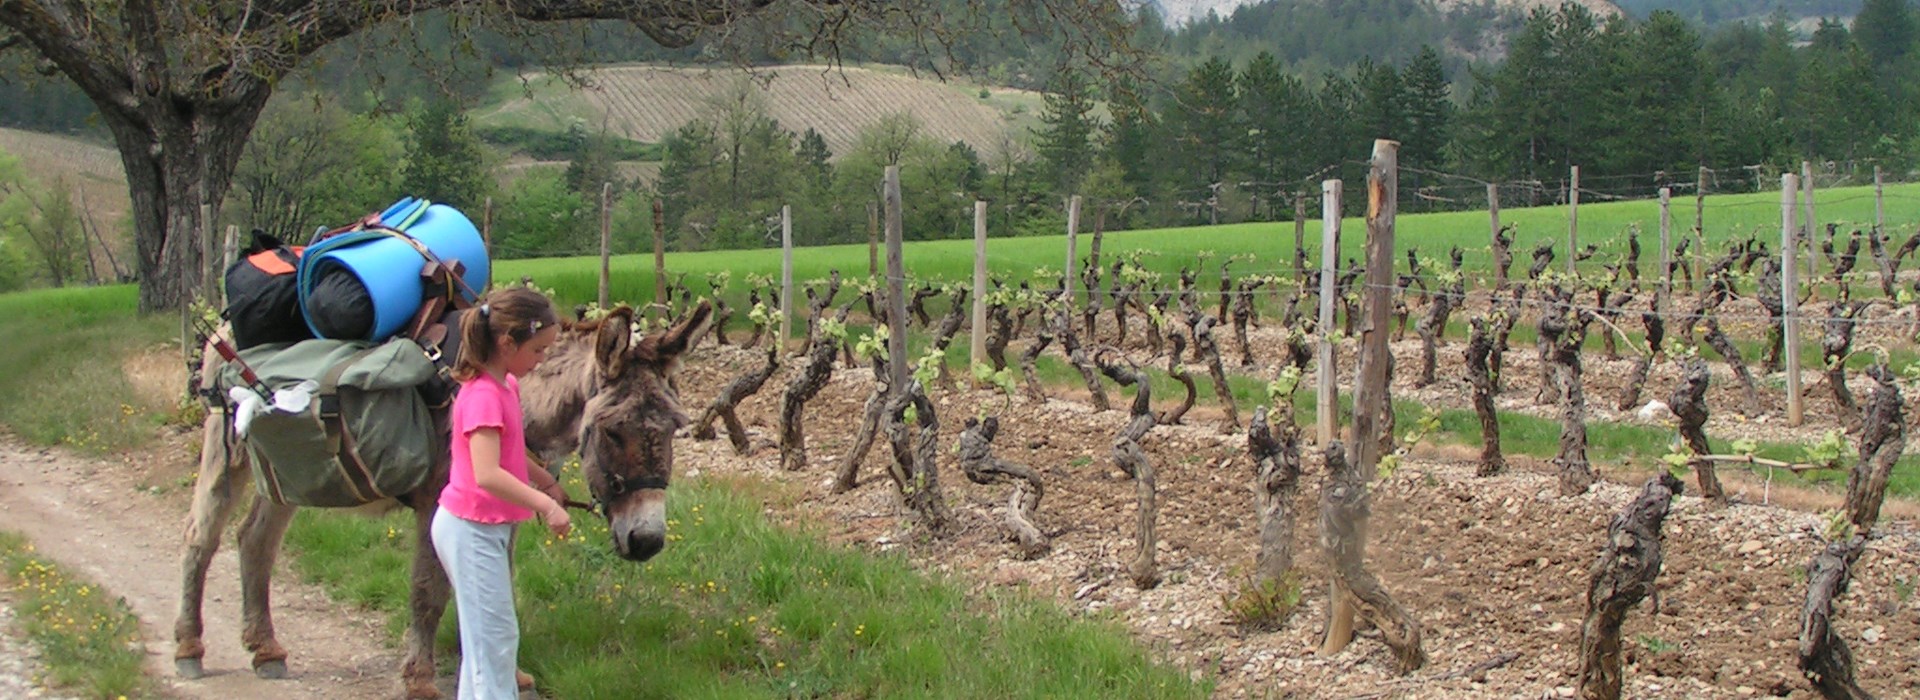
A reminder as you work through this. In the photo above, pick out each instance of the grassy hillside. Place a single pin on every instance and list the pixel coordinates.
(1727, 217)
(646, 103)
(92, 168)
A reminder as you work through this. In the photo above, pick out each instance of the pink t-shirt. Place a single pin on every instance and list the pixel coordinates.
(484, 402)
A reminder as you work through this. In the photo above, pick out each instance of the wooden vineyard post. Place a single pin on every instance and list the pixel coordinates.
(1300, 236)
(896, 297)
(1665, 290)
(1493, 228)
(659, 252)
(1573, 220)
(606, 243)
(486, 236)
(1326, 397)
(1808, 236)
(1790, 295)
(1068, 276)
(786, 272)
(1879, 204)
(229, 249)
(977, 348)
(1699, 224)
(873, 239)
(1344, 497)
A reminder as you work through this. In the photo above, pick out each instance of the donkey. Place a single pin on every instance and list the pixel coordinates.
(602, 390)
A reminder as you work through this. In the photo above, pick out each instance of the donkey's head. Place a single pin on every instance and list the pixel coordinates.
(626, 439)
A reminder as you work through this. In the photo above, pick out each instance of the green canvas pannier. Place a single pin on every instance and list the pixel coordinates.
(367, 435)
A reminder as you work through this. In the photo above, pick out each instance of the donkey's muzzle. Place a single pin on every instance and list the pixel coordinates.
(640, 546)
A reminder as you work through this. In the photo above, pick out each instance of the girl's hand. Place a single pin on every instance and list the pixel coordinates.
(557, 519)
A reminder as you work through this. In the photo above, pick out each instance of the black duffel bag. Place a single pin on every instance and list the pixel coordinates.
(263, 295)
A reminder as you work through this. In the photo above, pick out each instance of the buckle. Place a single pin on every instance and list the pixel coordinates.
(432, 352)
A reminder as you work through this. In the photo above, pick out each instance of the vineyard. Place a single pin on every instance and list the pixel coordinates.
(1561, 480)
(647, 103)
(94, 171)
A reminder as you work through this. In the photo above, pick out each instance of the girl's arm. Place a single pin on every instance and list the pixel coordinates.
(483, 446)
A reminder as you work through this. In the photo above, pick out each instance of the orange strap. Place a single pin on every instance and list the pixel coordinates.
(269, 261)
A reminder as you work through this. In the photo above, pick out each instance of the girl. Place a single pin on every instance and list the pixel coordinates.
(488, 490)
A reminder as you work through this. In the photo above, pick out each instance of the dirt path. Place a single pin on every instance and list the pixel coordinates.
(92, 516)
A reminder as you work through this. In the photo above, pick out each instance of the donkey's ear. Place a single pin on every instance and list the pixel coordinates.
(681, 337)
(614, 338)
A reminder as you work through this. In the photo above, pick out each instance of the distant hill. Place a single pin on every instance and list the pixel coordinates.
(647, 103)
(93, 170)
(1178, 12)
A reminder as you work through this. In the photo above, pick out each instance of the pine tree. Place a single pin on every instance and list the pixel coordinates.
(1886, 30)
(1379, 111)
(1276, 110)
(1131, 137)
(1660, 98)
(1206, 131)
(1066, 132)
(1428, 110)
(444, 162)
(815, 158)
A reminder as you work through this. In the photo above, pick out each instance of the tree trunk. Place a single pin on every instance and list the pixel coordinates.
(1689, 406)
(1720, 344)
(1001, 323)
(1077, 356)
(1825, 660)
(793, 442)
(723, 405)
(1564, 333)
(1835, 345)
(178, 156)
(916, 473)
(950, 326)
(1276, 460)
(1637, 380)
(1344, 509)
(1622, 577)
(1206, 348)
(1480, 345)
(981, 467)
(1177, 368)
(1130, 458)
(1882, 440)
(1042, 338)
(1434, 324)
(847, 476)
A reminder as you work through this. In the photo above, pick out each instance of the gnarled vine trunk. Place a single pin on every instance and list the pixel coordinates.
(1130, 458)
(981, 467)
(730, 397)
(1275, 450)
(1623, 576)
(1689, 406)
(1480, 344)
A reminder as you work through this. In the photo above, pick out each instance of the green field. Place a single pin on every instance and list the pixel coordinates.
(1728, 218)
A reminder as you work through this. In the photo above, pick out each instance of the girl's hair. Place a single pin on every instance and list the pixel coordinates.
(515, 312)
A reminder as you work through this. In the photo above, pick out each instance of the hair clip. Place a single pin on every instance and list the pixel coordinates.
(486, 310)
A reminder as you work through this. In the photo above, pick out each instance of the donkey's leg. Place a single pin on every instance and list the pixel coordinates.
(223, 477)
(260, 537)
(428, 601)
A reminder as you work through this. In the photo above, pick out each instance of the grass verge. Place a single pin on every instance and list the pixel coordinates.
(63, 382)
(738, 606)
(89, 643)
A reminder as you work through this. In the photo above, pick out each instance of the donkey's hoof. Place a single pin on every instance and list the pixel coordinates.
(189, 669)
(271, 670)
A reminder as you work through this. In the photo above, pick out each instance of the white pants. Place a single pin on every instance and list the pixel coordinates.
(475, 556)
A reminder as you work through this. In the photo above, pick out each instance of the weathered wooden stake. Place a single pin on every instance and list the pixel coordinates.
(1344, 498)
(1573, 220)
(606, 244)
(873, 239)
(229, 249)
(486, 235)
(1326, 397)
(1300, 236)
(1073, 251)
(977, 348)
(896, 297)
(1664, 295)
(786, 273)
(1808, 236)
(1790, 295)
(659, 252)
(1493, 228)
(1879, 204)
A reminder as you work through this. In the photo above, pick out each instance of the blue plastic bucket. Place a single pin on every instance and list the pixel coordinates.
(389, 268)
